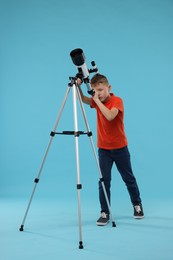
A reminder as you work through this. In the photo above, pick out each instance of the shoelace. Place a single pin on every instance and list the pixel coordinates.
(103, 215)
(138, 208)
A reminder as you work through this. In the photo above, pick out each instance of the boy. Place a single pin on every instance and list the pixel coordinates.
(112, 144)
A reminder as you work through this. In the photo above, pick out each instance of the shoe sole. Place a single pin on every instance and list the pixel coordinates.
(101, 224)
(138, 217)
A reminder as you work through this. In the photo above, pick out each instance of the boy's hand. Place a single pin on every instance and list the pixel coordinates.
(79, 81)
(95, 96)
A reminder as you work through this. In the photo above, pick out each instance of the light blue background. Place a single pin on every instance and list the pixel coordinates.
(131, 42)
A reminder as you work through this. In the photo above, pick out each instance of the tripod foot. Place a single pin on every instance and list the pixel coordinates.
(80, 245)
(113, 224)
(21, 228)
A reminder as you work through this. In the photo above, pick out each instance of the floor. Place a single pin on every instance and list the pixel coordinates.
(51, 231)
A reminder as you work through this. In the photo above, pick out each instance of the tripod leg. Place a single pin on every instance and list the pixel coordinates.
(95, 155)
(44, 159)
(79, 186)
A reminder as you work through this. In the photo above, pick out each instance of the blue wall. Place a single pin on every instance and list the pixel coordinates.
(131, 42)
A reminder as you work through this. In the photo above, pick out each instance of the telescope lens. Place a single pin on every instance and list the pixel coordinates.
(78, 57)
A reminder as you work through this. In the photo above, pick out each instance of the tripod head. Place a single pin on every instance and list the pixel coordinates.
(78, 59)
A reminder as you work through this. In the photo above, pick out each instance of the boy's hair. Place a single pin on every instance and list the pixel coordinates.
(99, 78)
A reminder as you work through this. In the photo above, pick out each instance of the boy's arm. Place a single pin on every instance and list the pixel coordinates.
(110, 114)
(84, 98)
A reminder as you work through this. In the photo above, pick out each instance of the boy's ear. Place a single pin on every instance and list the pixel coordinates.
(109, 87)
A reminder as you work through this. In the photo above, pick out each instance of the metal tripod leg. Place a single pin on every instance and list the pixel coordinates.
(44, 158)
(79, 186)
(95, 155)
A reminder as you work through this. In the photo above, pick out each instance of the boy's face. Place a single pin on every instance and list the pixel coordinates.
(102, 91)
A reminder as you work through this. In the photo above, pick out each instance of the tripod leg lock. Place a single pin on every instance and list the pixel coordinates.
(89, 134)
(36, 180)
(79, 186)
(52, 133)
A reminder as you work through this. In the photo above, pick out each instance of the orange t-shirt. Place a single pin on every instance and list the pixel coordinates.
(110, 134)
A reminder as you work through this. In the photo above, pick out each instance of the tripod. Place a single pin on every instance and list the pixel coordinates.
(76, 94)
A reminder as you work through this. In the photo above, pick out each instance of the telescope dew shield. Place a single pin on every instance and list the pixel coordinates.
(78, 59)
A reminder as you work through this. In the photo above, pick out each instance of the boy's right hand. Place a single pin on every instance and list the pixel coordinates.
(79, 81)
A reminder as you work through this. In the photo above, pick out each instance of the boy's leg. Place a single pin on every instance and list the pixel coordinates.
(123, 163)
(106, 163)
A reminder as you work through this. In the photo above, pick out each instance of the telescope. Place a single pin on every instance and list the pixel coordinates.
(78, 59)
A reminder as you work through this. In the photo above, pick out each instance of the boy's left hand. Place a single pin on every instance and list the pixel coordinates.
(95, 96)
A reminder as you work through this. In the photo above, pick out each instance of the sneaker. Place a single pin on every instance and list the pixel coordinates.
(103, 220)
(138, 211)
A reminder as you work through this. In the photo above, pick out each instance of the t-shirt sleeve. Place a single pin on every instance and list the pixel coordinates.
(118, 103)
(93, 104)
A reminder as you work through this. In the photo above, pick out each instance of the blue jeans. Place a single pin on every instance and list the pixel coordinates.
(121, 157)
